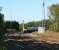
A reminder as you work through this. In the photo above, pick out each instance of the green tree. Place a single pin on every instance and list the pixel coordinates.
(2, 27)
(54, 17)
(12, 25)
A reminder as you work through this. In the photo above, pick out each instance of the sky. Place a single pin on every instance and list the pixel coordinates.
(27, 10)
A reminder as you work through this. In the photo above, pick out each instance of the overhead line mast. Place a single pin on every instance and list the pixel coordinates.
(43, 14)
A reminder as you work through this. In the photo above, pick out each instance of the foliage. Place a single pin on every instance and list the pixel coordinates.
(54, 17)
(12, 25)
(34, 24)
(3, 48)
(2, 26)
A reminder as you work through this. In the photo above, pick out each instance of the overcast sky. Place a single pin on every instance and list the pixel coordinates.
(27, 10)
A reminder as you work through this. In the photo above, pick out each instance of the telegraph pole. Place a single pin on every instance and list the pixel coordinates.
(23, 26)
(43, 14)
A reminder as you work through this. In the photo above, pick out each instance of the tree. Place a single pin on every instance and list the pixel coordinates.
(12, 25)
(2, 27)
(54, 16)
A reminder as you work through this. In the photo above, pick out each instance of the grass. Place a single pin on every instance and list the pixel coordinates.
(3, 48)
(3, 45)
(48, 36)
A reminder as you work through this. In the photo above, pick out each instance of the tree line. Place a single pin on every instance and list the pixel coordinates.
(34, 24)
